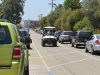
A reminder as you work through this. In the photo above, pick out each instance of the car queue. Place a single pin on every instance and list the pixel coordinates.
(80, 38)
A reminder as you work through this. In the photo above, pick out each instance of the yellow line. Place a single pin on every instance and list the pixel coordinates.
(45, 64)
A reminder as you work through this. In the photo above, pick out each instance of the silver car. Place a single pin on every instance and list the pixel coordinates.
(93, 44)
(65, 36)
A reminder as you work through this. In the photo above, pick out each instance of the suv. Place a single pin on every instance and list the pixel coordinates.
(48, 36)
(13, 53)
(80, 38)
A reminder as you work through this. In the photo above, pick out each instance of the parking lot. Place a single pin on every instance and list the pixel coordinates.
(61, 60)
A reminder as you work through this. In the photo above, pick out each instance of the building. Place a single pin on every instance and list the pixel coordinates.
(33, 24)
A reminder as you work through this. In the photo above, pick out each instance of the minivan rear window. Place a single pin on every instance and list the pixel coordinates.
(85, 34)
(5, 37)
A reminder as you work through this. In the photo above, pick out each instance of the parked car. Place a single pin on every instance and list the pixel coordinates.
(65, 36)
(57, 34)
(13, 53)
(80, 38)
(93, 44)
(27, 38)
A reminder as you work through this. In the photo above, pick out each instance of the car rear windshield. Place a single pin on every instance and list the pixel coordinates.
(68, 33)
(5, 37)
(98, 36)
(25, 33)
(85, 34)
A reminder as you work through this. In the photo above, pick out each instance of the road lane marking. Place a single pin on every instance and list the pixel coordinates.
(69, 62)
(49, 72)
(81, 53)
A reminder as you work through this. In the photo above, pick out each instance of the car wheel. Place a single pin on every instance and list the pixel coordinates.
(86, 50)
(72, 45)
(28, 46)
(27, 70)
(55, 44)
(76, 46)
(43, 44)
(70, 42)
(92, 51)
(61, 41)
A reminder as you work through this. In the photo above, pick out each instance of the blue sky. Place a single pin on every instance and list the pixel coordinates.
(33, 8)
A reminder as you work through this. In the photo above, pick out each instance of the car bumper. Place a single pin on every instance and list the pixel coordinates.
(97, 48)
(13, 70)
(66, 40)
(80, 43)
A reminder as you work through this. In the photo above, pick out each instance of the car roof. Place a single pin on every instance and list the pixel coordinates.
(49, 27)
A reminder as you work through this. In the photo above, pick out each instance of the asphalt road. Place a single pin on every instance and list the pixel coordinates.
(61, 60)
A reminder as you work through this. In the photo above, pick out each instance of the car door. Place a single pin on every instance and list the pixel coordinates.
(89, 42)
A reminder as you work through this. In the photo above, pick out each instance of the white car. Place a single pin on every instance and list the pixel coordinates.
(93, 44)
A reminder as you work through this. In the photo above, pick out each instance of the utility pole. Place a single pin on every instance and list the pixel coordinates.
(40, 16)
(52, 5)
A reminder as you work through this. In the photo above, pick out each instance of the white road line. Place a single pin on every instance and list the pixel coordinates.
(69, 62)
(81, 53)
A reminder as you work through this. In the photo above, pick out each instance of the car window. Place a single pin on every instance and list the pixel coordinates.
(98, 36)
(5, 37)
(16, 33)
(85, 34)
(25, 33)
(68, 33)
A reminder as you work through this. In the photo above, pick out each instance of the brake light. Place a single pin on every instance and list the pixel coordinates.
(77, 38)
(16, 53)
(97, 42)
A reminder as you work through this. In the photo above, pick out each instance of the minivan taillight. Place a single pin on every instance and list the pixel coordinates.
(77, 38)
(16, 53)
(97, 42)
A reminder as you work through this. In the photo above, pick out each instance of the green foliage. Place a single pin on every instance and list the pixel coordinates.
(12, 10)
(96, 31)
(76, 16)
(93, 10)
(43, 22)
(71, 4)
(64, 23)
(84, 24)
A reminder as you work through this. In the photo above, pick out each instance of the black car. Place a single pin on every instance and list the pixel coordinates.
(80, 38)
(25, 38)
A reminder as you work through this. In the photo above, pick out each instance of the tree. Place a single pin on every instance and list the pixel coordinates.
(72, 4)
(12, 10)
(93, 10)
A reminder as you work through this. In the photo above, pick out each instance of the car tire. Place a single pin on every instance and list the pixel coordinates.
(61, 41)
(86, 50)
(55, 44)
(76, 46)
(28, 46)
(72, 45)
(43, 44)
(92, 51)
(27, 70)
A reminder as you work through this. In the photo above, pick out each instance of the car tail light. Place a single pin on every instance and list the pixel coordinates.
(16, 53)
(77, 38)
(97, 42)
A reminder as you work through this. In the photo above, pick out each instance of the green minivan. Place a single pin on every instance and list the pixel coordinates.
(13, 53)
